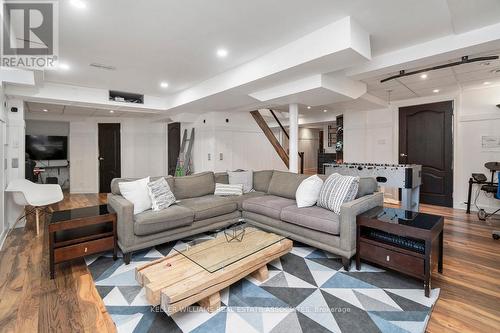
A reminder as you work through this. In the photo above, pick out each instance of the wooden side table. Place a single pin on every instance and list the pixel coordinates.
(404, 241)
(79, 232)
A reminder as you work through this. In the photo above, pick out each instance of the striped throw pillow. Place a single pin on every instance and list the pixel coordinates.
(336, 190)
(225, 190)
(161, 195)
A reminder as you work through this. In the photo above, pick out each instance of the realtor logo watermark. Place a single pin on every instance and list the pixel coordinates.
(30, 34)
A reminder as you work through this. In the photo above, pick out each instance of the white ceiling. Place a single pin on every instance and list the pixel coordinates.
(155, 40)
(34, 108)
(445, 80)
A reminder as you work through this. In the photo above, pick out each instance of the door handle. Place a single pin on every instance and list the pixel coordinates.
(101, 158)
(403, 155)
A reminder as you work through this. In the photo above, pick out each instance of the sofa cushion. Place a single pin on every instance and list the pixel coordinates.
(367, 186)
(285, 184)
(308, 191)
(115, 189)
(209, 206)
(137, 193)
(241, 198)
(150, 222)
(221, 177)
(261, 180)
(268, 205)
(314, 217)
(193, 186)
(242, 177)
(336, 190)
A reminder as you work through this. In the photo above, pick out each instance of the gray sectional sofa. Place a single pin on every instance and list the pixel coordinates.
(271, 206)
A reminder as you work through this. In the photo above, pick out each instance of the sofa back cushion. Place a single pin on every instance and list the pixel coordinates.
(115, 189)
(261, 180)
(367, 185)
(285, 184)
(193, 186)
(221, 177)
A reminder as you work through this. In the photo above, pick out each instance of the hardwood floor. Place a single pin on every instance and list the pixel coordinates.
(30, 301)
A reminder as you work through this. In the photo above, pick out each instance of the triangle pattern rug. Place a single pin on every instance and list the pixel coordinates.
(307, 291)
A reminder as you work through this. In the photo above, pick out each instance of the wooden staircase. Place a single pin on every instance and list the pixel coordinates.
(282, 153)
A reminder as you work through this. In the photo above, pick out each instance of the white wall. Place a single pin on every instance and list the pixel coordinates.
(14, 155)
(143, 149)
(3, 165)
(240, 141)
(369, 136)
(478, 117)
(372, 136)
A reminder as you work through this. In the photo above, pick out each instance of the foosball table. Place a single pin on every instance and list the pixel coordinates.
(407, 177)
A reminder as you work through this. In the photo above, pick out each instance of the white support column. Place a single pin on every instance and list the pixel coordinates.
(293, 143)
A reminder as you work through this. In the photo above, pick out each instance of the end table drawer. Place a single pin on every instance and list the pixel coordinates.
(392, 259)
(80, 250)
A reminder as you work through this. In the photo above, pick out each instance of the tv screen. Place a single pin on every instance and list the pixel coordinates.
(42, 147)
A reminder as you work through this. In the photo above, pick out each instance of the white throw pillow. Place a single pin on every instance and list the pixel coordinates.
(241, 177)
(226, 190)
(137, 193)
(160, 194)
(308, 191)
(336, 190)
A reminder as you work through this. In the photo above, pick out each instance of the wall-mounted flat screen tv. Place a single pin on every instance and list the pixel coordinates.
(43, 147)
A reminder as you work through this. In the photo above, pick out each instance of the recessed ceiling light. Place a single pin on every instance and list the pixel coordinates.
(486, 82)
(63, 66)
(111, 111)
(435, 91)
(45, 110)
(164, 84)
(309, 108)
(423, 76)
(79, 4)
(222, 53)
(325, 110)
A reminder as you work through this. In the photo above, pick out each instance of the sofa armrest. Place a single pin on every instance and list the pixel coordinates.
(125, 218)
(348, 213)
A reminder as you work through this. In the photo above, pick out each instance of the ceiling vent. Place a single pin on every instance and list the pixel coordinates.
(126, 97)
(102, 66)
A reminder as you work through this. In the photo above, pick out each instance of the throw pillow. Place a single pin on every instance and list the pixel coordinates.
(241, 177)
(228, 189)
(160, 194)
(336, 190)
(308, 191)
(137, 193)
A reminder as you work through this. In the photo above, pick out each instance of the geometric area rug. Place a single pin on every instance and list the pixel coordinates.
(307, 291)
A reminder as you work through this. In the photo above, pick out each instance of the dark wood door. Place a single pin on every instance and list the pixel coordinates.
(109, 155)
(425, 137)
(174, 146)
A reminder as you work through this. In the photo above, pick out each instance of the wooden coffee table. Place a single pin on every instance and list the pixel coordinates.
(197, 271)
